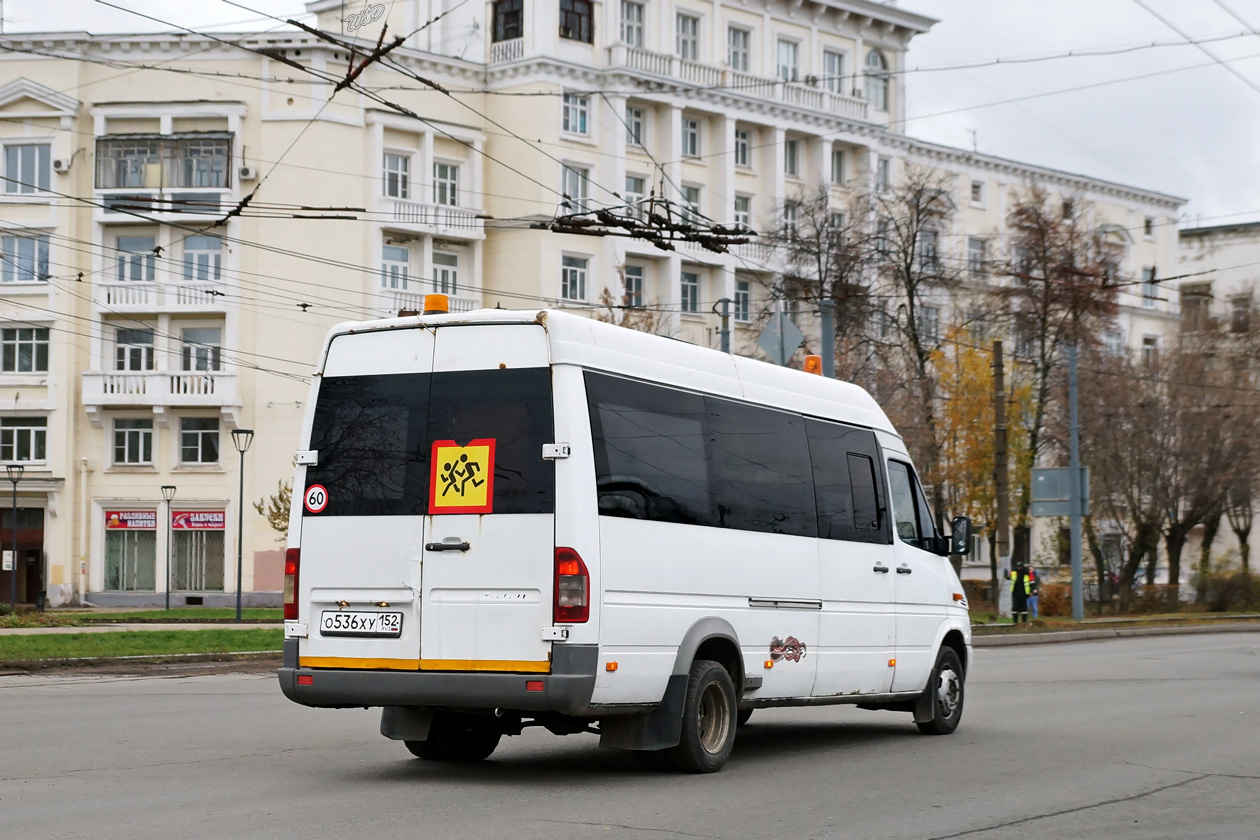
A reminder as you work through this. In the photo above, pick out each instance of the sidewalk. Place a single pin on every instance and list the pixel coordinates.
(117, 628)
(1055, 636)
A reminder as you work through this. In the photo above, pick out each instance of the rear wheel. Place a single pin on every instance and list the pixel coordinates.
(426, 749)
(455, 737)
(945, 691)
(708, 723)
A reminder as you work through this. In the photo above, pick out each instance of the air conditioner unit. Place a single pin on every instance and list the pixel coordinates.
(61, 164)
(248, 173)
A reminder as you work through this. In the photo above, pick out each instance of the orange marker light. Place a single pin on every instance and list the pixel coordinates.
(813, 364)
(892, 663)
(436, 305)
(958, 596)
(769, 663)
(611, 666)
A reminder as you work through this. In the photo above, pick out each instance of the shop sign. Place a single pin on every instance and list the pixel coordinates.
(197, 520)
(130, 520)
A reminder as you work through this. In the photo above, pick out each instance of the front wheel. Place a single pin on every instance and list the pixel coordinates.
(945, 693)
(708, 723)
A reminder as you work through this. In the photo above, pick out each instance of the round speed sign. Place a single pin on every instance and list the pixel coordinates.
(316, 498)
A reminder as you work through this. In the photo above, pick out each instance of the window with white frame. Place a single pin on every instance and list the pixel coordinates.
(446, 184)
(691, 198)
(837, 166)
(634, 285)
(24, 350)
(1150, 350)
(975, 256)
(883, 236)
(508, 20)
(792, 157)
(396, 175)
(26, 168)
(573, 277)
(743, 210)
(23, 439)
(737, 48)
(632, 23)
(574, 180)
(203, 257)
(690, 137)
(687, 36)
(930, 323)
(877, 80)
(743, 301)
(690, 292)
(24, 259)
(977, 193)
(133, 440)
(136, 259)
(202, 348)
(883, 175)
(576, 20)
(835, 222)
(199, 440)
(445, 273)
(395, 266)
(1113, 343)
(789, 219)
(1148, 227)
(787, 59)
(133, 349)
(929, 253)
(1150, 292)
(743, 147)
(634, 194)
(634, 126)
(833, 71)
(575, 111)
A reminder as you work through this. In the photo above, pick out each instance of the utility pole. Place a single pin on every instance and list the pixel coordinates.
(1074, 490)
(1003, 554)
(724, 333)
(827, 311)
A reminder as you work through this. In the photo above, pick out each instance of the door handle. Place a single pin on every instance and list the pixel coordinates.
(447, 546)
(905, 570)
(883, 570)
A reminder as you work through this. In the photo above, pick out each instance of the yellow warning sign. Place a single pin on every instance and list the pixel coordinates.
(462, 477)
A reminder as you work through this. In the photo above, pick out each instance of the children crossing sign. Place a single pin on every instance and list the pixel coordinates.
(462, 477)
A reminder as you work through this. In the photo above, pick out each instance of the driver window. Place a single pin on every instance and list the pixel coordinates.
(902, 491)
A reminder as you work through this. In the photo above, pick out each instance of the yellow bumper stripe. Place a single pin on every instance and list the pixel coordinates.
(496, 665)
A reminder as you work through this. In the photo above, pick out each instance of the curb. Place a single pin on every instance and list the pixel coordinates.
(27, 665)
(1007, 639)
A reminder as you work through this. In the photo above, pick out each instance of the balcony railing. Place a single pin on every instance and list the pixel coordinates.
(502, 51)
(141, 296)
(207, 388)
(413, 301)
(447, 219)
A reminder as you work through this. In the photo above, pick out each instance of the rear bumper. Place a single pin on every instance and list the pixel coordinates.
(567, 689)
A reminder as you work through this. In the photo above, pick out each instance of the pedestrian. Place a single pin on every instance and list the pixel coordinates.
(1019, 593)
(1034, 589)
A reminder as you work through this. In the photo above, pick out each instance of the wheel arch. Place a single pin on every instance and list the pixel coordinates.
(712, 638)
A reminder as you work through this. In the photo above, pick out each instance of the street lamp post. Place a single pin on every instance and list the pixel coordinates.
(14, 472)
(168, 493)
(241, 439)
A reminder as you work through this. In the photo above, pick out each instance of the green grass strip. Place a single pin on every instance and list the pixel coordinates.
(185, 614)
(137, 643)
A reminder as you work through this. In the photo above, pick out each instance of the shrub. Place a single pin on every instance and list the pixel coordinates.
(1231, 590)
(1151, 599)
(1055, 600)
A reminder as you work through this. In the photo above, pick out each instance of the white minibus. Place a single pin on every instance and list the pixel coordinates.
(508, 519)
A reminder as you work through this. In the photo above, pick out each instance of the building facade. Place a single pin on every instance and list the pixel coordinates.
(185, 216)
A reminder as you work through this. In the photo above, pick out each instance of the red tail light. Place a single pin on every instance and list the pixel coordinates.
(292, 557)
(573, 588)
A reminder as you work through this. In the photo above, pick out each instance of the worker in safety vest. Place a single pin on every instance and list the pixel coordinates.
(1021, 585)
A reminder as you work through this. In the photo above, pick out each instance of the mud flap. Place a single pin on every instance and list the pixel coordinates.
(925, 706)
(658, 730)
(404, 723)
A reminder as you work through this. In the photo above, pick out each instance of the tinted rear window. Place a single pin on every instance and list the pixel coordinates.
(374, 435)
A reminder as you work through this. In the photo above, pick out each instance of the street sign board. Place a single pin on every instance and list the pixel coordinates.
(1050, 491)
(8, 560)
(780, 338)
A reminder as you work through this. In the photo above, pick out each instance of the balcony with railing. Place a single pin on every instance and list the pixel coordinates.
(139, 296)
(156, 388)
(504, 51)
(412, 300)
(441, 219)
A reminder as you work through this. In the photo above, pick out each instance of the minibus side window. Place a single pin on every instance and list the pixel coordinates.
(761, 472)
(847, 487)
(901, 489)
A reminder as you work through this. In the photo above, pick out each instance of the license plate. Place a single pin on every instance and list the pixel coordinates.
(349, 623)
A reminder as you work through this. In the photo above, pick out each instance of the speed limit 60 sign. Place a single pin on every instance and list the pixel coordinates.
(316, 498)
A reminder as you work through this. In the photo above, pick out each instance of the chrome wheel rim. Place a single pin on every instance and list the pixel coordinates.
(715, 719)
(949, 692)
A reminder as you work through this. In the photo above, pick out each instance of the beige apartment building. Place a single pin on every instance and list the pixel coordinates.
(147, 311)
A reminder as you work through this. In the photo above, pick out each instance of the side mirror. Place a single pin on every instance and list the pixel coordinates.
(960, 540)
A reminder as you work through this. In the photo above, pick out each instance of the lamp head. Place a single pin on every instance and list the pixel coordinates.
(242, 438)
(168, 491)
(14, 472)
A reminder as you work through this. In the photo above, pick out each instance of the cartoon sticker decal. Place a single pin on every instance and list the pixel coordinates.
(462, 477)
(792, 649)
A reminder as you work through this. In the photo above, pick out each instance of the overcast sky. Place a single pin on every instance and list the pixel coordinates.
(1181, 131)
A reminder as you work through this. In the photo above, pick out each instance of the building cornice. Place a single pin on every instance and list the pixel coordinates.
(59, 104)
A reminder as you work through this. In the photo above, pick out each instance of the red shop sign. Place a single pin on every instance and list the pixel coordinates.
(131, 520)
(197, 520)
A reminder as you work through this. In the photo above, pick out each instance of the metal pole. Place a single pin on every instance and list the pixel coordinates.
(14, 572)
(828, 309)
(782, 339)
(240, 534)
(168, 554)
(1001, 479)
(724, 334)
(1074, 489)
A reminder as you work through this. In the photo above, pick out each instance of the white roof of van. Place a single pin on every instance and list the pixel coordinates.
(575, 339)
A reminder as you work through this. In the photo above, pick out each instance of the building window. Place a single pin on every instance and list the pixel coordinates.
(634, 126)
(575, 20)
(977, 193)
(789, 219)
(975, 256)
(445, 273)
(131, 553)
(837, 166)
(397, 177)
(24, 350)
(737, 49)
(27, 168)
(155, 162)
(833, 71)
(883, 233)
(1113, 343)
(634, 195)
(508, 19)
(1150, 350)
(883, 175)
(23, 439)
(1196, 304)
(634, 285)
(743, 301)
(133, 350)
(786, 60)
(1069, 208)
(743, 145)
(691, 138)
(1150, 292)
(743, 210)
(929, 250)
(930, 323)
(792, 157)
(1148, 227)
(202, 348)
(691, 198)
(690, 292)
(24, 259)
(136, 257)
(197, 555)
(835, 222)
(199, 440)
(395, 266)
(573, 278)
(1240, 314)
(877, 80)
(203, 257)
(632, 23)
(575, 112)
(687, 37)
(133, 441)
(573, 184)
(446, 184)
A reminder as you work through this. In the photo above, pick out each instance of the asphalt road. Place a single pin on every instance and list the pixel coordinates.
(1128, 738)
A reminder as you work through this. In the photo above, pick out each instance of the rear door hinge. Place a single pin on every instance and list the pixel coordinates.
(555, 451)
(295, 630)
(555, 634)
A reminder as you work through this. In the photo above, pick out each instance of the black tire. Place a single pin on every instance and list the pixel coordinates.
(946, 692)
(708, 721)
(426, 749)
(742, 718)
(465, 737)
